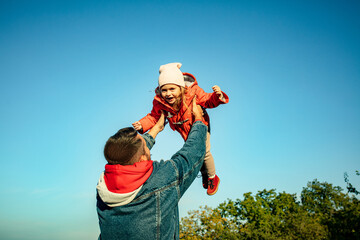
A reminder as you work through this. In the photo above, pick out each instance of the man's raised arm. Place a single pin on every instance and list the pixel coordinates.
(158, 127)
(151, 135)
(190, 157)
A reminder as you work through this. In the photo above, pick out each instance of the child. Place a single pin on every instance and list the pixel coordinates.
(174, 96)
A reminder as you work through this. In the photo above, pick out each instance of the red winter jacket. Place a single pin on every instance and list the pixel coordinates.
(182, 120)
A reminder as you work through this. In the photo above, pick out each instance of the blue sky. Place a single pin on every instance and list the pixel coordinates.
(74, 72)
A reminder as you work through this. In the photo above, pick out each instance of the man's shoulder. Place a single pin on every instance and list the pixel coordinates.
(162, 164)
(164, 175)
(163, 168)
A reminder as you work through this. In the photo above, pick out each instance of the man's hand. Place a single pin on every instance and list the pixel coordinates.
(218, 91)
(137, 125)
(158, 127)
(197, 111)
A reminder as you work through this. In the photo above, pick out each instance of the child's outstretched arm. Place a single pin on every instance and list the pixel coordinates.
(211, 100)
(147, 122)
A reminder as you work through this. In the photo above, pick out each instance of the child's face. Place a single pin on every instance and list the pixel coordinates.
(171, 93)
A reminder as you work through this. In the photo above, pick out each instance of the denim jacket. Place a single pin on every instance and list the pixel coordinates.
(153, 213)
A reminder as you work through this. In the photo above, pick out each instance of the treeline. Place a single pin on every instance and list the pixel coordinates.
(324, 211)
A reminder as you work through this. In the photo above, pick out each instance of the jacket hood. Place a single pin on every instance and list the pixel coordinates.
(119, 184)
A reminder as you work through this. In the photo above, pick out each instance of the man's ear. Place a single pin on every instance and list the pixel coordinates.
(143, 158)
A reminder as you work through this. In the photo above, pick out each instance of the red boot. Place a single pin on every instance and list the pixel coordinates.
(213, 184)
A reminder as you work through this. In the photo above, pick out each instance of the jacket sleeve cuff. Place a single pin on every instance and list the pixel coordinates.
(150, 141)
(199, 121)
(224, 99)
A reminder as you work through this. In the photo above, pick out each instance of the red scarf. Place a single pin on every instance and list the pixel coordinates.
(124, 179)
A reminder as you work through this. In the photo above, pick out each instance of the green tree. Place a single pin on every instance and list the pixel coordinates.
(269, 215)
(349, 186)
(338, 211)
(206, 223)
(324, 212)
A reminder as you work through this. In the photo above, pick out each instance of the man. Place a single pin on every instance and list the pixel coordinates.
(138, 198)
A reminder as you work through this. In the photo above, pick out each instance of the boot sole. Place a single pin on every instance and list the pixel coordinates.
(210, 194)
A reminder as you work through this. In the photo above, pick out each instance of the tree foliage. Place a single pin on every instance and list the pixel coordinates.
(323, 212)
(349, 186)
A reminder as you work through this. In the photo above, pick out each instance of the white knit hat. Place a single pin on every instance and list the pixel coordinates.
(170, 74)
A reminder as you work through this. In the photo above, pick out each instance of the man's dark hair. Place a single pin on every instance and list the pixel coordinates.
(123, 147)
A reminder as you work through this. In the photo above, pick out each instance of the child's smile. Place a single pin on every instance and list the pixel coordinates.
(171, 93)
(170, 100)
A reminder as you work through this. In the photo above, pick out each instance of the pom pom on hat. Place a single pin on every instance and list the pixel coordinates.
(170, 74)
